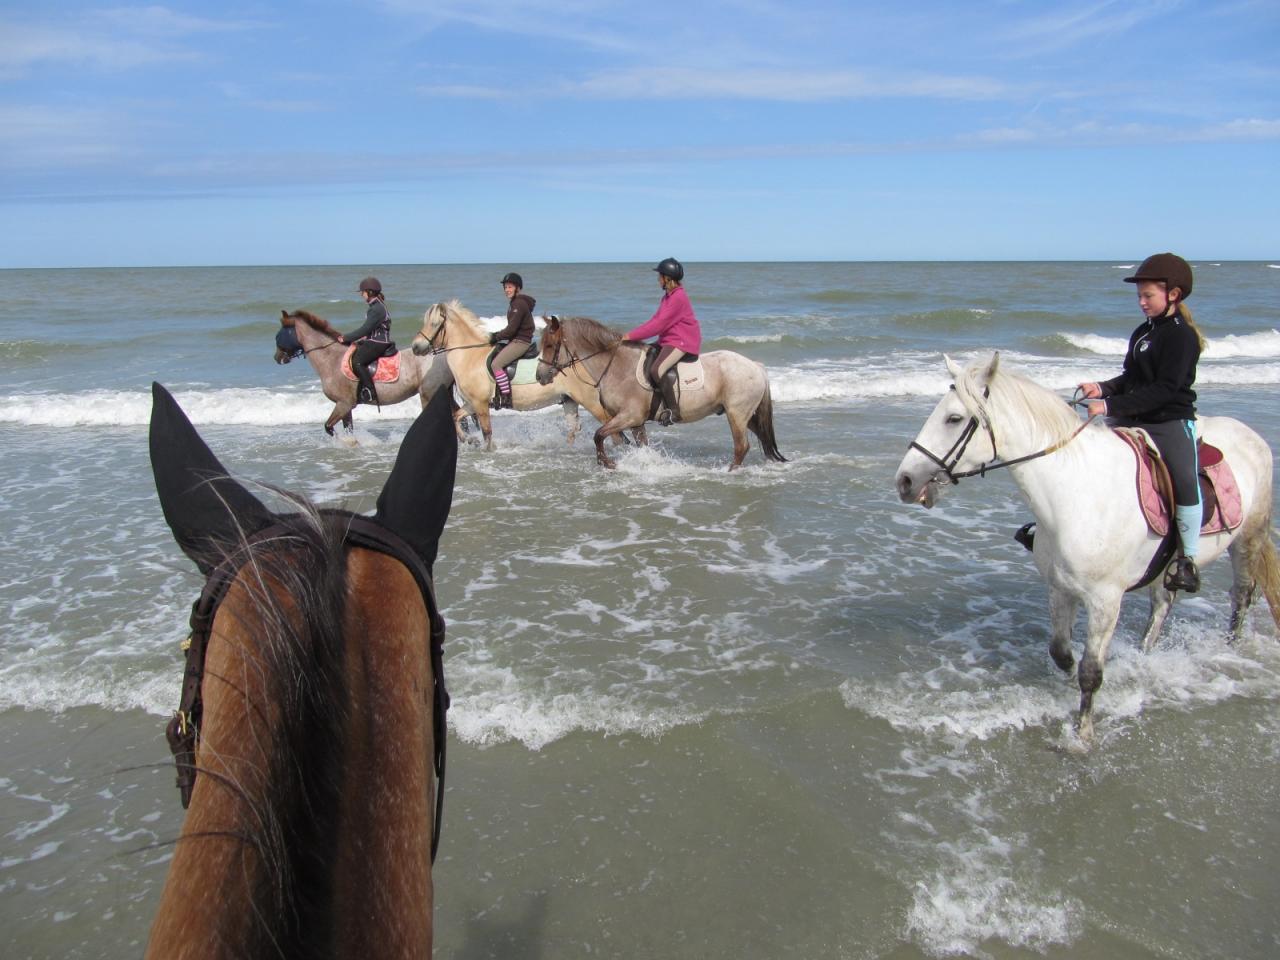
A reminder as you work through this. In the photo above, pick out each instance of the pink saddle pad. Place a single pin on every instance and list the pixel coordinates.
(1224, 513)
(388, 369)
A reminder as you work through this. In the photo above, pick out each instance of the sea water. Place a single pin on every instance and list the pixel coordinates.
(695, 714)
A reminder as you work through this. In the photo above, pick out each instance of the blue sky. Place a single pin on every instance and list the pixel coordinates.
(416, 131)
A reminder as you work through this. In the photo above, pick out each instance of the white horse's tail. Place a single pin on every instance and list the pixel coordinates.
(761, 424)
(1264, 568)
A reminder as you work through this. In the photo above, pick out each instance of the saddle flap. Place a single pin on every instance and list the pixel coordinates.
(1222, 507)
(386, 370)
(691, 374)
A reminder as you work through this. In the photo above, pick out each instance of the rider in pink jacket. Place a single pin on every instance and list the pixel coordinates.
(678, 333)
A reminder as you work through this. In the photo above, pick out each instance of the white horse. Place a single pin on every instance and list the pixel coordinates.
(1092, 543)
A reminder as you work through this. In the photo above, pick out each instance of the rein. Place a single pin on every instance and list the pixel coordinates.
(555, 365)
(953, 456)
(436, 351)
(183, 730)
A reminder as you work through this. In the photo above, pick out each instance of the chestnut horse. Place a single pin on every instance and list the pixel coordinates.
(307, 739)
(585, 351)
(304, 334)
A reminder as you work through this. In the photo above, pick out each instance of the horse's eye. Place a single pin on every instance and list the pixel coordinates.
(954, 418)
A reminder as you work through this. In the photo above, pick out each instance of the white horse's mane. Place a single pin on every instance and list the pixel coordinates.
(1009, 400)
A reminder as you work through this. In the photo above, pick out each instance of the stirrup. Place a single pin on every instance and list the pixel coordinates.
(366, 395)
(1182, 575)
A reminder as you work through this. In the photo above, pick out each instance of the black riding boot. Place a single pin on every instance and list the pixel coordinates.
(668, 385)
(366, 392)
(1184, 576)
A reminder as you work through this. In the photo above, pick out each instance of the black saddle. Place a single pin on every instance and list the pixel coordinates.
(530, 354)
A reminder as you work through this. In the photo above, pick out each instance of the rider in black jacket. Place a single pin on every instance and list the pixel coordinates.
(372, 339)
(1155, 392)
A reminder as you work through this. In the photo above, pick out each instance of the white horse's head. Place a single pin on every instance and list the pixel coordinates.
(955, 439)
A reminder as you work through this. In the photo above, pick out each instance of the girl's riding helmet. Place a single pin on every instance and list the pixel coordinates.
(671, 268)
(1169, 267)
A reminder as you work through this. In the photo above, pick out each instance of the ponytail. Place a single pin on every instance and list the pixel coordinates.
(1190, 321)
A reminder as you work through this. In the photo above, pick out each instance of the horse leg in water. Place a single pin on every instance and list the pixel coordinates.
(1062, 616)
(1101, 613)
(486, 426)
(1243, 585)
(572, 422)
(341, 412)
(741, 445)
(1161, 603)
(611, 428)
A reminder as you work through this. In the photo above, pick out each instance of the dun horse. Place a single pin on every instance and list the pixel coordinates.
(1092, 543)
(304, 333)
(453, 331)
(588, 352)
(310, 737)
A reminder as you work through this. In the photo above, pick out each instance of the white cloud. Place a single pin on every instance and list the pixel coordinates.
(120, 38)
(779, 85)
(1244, 129)
(645, 83)
(1072, 26)
(37, 138)
(27, 45)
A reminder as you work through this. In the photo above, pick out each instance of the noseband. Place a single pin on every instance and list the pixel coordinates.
(949, 459)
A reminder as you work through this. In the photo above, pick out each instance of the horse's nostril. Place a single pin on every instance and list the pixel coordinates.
(904, 484)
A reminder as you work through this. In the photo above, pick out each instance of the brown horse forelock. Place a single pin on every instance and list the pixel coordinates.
(297, 584)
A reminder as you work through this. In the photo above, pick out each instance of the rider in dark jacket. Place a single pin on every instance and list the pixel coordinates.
(518, 335)
(372, 339)
(1155, 392)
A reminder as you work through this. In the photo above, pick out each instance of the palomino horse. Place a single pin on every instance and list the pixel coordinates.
(590, 353)
(310, 737)
(305, 333)
(451, 330)
(1092, 543)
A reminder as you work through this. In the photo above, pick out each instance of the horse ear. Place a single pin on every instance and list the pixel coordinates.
(207, 511)
(953, 368)
(417, 496)
(992, 367)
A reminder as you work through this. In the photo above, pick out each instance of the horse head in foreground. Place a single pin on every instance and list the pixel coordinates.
(1092, 543)
(311, 732)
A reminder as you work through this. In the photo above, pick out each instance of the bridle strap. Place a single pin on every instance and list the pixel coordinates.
(948, 460)
(183, 729)
(575, 360)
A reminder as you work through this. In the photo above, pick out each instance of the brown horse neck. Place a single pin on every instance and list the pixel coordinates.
(317, 323)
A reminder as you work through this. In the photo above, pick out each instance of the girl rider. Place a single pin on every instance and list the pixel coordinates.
(518, 333)
(372, 339)
(679, 335)
(1154, 392)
